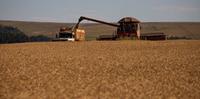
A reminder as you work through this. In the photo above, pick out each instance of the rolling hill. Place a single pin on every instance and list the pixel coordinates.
(179, 29)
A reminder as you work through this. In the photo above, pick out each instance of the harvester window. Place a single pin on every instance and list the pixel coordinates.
(129, 28)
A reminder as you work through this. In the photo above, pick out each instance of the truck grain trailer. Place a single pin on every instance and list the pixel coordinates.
(66, 34)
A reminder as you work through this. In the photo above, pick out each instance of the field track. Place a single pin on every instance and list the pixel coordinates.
(107, 69)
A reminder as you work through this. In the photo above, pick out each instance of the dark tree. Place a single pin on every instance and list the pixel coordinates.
(10, 34)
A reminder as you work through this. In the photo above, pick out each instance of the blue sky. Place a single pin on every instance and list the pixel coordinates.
(108, 10)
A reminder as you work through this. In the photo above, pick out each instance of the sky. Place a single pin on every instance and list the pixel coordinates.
(107, 10)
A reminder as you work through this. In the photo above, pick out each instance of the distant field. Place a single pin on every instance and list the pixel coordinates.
(180, 29)
(101, 70)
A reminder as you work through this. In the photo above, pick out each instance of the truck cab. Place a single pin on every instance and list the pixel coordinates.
(64, 35)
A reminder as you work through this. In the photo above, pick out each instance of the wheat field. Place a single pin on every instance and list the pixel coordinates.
(103, 70)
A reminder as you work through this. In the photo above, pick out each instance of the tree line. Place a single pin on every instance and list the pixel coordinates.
(9, 34)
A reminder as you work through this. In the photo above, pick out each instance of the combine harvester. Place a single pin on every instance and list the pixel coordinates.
(127, 27)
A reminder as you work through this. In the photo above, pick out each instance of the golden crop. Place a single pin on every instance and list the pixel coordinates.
(107, 69)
